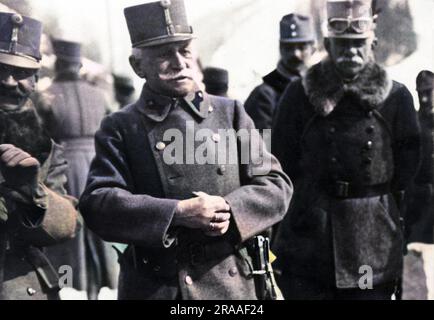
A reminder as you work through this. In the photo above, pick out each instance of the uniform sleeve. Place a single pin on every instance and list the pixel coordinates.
(407, 143)
(54, 217)
(266, 191)
(260, 106)
(109, 204)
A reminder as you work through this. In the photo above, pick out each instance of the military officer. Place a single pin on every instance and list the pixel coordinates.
(420, 210)
(34, 210)
(75, 114)
(349, 137)
(185, 221)
(216, 81)
(297, 39)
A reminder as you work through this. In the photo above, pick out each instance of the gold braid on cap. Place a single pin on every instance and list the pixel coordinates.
(17, 21)
(169, 23)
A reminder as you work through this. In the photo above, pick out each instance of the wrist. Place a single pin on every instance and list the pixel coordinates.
(179, 214)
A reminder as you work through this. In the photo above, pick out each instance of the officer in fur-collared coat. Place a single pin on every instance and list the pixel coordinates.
(297, 44)
(34, 211)
(349, 138)
(186, 219)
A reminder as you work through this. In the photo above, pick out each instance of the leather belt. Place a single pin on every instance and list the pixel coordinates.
(199, 253)
(346, 190)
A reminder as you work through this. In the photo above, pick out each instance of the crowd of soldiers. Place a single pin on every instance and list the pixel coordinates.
(347, 184)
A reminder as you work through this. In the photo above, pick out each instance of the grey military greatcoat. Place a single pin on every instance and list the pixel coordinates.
(132, 194)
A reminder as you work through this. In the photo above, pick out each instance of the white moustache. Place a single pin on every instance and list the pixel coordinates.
(355, 59)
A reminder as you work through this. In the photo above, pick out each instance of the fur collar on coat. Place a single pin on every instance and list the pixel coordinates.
(325, 89)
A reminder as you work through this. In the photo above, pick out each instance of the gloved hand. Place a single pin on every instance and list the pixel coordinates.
(21, 173)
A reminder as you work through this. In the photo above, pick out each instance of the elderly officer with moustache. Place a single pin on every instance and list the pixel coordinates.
(186, 223)
(34, 210)
(297, 40)
(349, 137)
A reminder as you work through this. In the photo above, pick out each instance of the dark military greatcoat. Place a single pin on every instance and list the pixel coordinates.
(420, 202)
(262, 102)
(133, 191)
(350, 149)
(25, 271)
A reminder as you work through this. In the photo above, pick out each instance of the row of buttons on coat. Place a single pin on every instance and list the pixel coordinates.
(367, 160)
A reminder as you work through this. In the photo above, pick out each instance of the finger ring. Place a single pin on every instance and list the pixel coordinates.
(212, 226)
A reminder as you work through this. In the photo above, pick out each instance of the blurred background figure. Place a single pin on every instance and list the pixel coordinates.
(419, 263)
(297, 39)
(421, 210)
(124, 90)
(216, 81)
(76, 111)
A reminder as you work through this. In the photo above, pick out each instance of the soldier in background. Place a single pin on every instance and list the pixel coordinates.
(349, 137)
(34, 210)
(216, 81)
(124, 90)
(420, 211)
(76, 111)
(297, 40)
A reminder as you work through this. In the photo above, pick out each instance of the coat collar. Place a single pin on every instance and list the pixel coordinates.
(280, 81)
(157, 107)
(325, 89)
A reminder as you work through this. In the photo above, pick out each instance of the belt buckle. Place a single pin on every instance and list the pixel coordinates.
(342, 189)
(197, 254)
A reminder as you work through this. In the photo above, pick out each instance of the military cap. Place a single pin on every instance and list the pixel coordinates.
(216, 80)
(157, 23)
(425, 81)
(123, 84)
(352, 19)
(20, 39)
(296, 28)
(67, 50)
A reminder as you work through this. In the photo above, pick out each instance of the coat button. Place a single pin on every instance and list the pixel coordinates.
(370, 130)
(145, 261)
(216, 138)
(369, 145)
(233, 272)
(150, 103)
(31, 291)
(160, 146)
(370, 114)
(157, 268)
(221, 170)
(188, 281)
(332, 130)
(334, 160)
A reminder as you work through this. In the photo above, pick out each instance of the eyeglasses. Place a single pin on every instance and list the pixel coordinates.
(341, 25)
